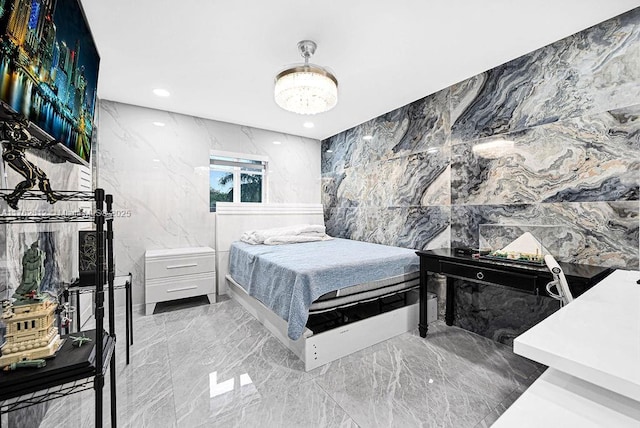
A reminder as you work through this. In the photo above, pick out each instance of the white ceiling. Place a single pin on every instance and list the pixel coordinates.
(219, 58)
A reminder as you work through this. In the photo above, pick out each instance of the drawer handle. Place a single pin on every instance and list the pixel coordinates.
(480, 275)
(182, 266)
(182, 289)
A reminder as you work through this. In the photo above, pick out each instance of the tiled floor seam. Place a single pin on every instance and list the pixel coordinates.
(173, 396)
(337, 403)
(508, 400)
(493, 410)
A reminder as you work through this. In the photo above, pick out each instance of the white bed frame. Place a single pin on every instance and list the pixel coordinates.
(314, 350)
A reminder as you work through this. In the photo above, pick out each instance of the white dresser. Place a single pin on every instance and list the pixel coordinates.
(179, 273)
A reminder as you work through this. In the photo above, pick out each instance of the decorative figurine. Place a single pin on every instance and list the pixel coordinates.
(30, 364)
(66, 311)
(78, 341)
(16, 139)
(30, 330)
(32, 274)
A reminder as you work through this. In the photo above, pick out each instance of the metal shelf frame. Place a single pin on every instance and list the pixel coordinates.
(42, 396)
(104, 356)
(126, 284)
(64, 195)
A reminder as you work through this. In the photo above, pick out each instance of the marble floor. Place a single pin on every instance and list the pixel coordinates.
(215, 365)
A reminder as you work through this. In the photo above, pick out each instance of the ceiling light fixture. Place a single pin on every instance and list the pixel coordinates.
(367, 137)
(277, 142)
(306, 88)
(308, 125)
(158, 123)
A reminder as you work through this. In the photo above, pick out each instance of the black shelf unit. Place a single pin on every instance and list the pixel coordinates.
(126, 282)
(66, 375)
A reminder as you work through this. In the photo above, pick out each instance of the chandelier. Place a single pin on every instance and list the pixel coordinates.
(306, 88)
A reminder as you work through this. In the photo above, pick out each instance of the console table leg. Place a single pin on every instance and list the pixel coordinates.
(423, 326)
(422, 330)
(450, 303)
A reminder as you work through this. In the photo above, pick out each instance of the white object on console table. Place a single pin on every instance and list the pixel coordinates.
(557, 399)
(178, 273)
(595, 338)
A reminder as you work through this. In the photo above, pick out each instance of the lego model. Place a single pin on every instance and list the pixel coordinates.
(525, 249)
(31, 333)
(30, 330)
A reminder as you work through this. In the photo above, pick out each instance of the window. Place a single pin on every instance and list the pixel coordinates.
(236, 178)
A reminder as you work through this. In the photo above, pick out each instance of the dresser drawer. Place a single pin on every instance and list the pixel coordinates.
(162, 290)
(475, 273)
(178, 265)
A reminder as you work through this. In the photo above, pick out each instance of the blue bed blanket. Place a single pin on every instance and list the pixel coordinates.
(288, 278)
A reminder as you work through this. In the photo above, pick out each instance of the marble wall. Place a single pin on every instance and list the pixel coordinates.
(552, 137)
(159, 177)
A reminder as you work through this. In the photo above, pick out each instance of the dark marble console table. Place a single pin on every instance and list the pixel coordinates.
(530, 279)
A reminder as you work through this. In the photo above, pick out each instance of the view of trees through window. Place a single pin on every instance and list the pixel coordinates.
(250, 187)
(235, 180)
(220, 187)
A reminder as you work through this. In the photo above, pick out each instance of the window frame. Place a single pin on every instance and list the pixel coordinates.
(236, 162)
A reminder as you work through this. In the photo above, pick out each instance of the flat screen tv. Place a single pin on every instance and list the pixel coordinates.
(49, 71)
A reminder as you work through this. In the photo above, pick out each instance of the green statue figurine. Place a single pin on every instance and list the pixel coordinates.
(32, 274)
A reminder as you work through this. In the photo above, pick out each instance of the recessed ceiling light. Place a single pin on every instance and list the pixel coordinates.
(158, 123)
(367, 137)
(308, 125)
(277, 142)
(156, 160)
(161, 92)
(329, 151)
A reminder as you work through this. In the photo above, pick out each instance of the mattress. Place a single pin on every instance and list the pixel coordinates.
(289, 278)
(365, 292)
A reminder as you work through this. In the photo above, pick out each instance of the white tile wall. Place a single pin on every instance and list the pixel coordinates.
(159, 177)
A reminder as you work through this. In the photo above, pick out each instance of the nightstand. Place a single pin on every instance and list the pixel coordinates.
(178, 273)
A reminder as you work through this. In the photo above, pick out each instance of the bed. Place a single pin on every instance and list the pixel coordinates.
(323, 300)
(295, 279)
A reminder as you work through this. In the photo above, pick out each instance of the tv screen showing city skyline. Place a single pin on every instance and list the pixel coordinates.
(49, 69)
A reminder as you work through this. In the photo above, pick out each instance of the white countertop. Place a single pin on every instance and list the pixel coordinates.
(595, 338)
(557, 399)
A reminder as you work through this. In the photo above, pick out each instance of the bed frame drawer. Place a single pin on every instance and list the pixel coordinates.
(482, 274)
